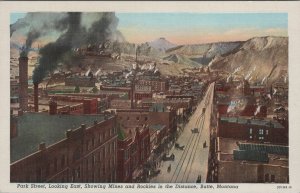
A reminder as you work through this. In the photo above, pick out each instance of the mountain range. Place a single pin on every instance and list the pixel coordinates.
(256, 58)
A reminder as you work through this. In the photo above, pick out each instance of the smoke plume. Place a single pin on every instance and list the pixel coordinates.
(72, 30)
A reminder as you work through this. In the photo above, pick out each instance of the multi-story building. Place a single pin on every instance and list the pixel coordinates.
(64, 148)
(247, 128)
(120, 104)
(142, 92)
(165, 115)
(133, 152)
(157, 85)
(247, 162)
(90, 105)
(81, 81)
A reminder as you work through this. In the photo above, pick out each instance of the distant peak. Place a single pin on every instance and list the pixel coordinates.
(162, 38)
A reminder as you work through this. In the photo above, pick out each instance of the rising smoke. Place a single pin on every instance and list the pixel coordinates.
(76, 29)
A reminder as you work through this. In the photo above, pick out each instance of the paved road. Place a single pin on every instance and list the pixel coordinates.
(192, 161)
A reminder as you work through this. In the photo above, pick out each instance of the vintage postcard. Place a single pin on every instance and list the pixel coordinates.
(149, 96)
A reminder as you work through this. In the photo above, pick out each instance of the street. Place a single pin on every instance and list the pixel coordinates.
(191, 162)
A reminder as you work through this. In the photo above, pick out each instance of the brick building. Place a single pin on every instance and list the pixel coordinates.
(120, 104)
(81, 81)
(89, 105)
(157, 114)
(126, 90)
(157, 85)
(175, 103)
(55, 148)
(162, 114)
(133, 152)
(158, 136)
(142, 92)
(243, 128)
(246, 162)
(249, 110)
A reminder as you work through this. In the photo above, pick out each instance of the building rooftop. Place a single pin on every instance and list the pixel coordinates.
(241, 151)
(157, 127)
(34, 128)
(261, 122)
(158, 107)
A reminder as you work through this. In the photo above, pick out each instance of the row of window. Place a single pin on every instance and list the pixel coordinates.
(261, 133)
(96, 175)
(137, 118)
(102, 137)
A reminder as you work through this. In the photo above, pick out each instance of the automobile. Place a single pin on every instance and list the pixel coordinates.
(195, 130)
(177, 146)
(155, 172)
(279, 109)
(168, 158)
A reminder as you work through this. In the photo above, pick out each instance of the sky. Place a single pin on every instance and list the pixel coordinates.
(182, 28)
(194, 28)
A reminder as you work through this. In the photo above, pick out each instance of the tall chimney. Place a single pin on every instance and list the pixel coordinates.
(23, 82)
(36, 97)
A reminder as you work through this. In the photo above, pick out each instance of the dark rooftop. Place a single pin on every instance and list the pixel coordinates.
(34, 128)
(250, 121)
(268, 148)
(157, 127)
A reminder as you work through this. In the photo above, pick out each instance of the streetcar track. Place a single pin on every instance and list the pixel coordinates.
(194, 144)
(193, 153)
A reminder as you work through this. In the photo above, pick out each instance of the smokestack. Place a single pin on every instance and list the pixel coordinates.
(36, 97)
(23, 81)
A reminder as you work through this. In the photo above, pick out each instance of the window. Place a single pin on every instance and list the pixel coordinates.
(87, 146)
(103, 169)
(55, 164)
(267, 132)
(63, 160)
(94, 161)
(47, 169)
(126, 154)
(112, 148)
(101, 137)
(137, 118)
(250, 137)
(250, 130)
(127, 118)
(267, 178)
(146, 118)
(272, 178)
(39, 175)
(78, 172)
(115, 146)
(261, 131)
